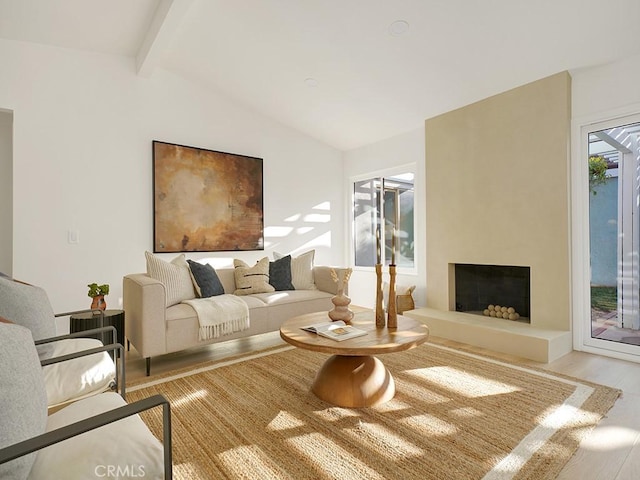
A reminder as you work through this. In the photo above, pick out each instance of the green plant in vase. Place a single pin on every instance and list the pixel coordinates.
(97, 293)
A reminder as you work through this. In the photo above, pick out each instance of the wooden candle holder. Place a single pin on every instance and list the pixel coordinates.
(392, 314)
(380, 321)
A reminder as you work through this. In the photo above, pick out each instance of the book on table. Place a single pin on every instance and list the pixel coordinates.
(335, 330)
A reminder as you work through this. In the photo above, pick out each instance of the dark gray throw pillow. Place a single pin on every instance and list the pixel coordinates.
(280, 274)
(207, 279)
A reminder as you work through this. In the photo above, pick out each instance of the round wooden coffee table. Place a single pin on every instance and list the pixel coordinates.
(352, 376)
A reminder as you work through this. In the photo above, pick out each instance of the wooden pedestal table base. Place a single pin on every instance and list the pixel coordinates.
(354, 381)
(353, 377)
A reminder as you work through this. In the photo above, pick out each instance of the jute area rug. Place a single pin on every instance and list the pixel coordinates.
(455, 416)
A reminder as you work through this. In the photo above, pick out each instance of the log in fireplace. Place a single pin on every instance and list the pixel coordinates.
(478, 286)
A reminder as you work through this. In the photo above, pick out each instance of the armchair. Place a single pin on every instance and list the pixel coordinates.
(73, 367)
(95, 437)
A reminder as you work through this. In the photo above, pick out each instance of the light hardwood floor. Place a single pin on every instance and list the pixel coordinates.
(610, 452)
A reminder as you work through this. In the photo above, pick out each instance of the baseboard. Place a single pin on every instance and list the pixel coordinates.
(504, 336)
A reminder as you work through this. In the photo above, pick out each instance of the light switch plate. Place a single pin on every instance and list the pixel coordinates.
(73, 237)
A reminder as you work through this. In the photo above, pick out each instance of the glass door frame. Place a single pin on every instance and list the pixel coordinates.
(581, 264)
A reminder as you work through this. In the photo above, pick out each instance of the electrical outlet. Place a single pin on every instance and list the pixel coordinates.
(73, 237)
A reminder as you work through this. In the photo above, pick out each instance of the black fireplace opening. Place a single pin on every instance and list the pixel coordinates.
(478, 286)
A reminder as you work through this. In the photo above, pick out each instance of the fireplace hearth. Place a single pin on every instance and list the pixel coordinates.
(478, 286)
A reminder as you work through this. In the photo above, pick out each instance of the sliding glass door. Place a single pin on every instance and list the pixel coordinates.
(613, 163)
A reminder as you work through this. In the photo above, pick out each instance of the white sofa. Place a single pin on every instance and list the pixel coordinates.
(155, 329)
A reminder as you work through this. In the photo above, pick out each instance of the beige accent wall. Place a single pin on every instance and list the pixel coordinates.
(497, 193)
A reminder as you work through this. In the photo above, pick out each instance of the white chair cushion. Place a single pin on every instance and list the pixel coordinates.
(79, 377)
(124, 446)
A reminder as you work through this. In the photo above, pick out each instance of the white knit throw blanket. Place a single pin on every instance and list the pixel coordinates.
(220, 315)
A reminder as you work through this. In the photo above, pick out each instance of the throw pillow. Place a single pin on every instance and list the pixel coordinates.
(28, 306)
(301, 270)
(252, 279)
(23, 399)
(280, 274)
(175, 276)
(205, 279)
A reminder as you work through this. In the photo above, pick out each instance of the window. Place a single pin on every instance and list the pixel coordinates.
(384, 204)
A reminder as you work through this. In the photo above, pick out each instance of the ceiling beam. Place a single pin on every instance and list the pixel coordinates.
(163, 27)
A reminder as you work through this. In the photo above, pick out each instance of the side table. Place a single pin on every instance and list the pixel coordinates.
(86, 321)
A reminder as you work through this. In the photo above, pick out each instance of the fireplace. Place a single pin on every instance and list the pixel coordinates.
(479, 286)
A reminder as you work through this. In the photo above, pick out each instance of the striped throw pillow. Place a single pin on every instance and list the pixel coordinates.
(175, 276)
(252, 279)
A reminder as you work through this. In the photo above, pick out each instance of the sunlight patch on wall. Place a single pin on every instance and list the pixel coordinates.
(293, 218)
(317, 218)
(277, 231)
(323, 206)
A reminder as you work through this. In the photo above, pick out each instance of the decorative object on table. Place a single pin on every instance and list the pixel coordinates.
(80, 322)
(404, 299)
(206, 201)
(392, 314)
(341, 302)
(97, 293)
(497, 311)
(380, 320)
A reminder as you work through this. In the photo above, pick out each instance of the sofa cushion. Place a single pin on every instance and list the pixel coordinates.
(301, 270)
(280, 274)
(254, 279)
(28, 306)
(291, 296)
(174, 275)
(23, 400)
(205, 279)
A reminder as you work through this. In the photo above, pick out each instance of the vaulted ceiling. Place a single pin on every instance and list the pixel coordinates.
(346, 72)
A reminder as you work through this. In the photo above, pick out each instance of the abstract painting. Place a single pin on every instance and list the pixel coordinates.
(206, 201)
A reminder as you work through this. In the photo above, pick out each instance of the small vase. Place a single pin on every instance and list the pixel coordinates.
(341, 310)
(98, 303)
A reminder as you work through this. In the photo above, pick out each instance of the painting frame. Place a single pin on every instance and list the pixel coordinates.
(206, 200)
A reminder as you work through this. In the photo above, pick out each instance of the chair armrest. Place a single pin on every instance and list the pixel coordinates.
(116, 347)
(322, 279)
(64, 433)
(81, 334)
(95, 311)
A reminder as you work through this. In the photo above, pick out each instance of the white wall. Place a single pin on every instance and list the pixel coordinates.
(607, 89)
(400, 150)
(83, 126)
(6, 191)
